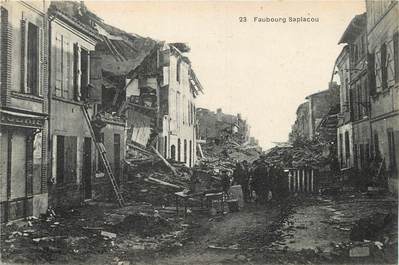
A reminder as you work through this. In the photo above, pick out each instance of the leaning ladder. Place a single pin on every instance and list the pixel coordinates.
(103, 154)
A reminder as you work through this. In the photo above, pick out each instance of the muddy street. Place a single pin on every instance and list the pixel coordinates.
(314, 230)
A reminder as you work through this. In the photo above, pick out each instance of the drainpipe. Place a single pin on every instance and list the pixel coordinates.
(49, 97)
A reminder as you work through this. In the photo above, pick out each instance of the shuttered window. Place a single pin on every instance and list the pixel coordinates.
(58, 65)
(396, 55)
(391, 150)
(384, 66)
(63, 67)
(371, 73)
(377, 70)
(32, 77)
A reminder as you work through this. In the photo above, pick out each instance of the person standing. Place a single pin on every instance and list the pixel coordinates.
(241, 177)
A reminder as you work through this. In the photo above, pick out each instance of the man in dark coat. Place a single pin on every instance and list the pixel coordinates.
(259, 181)
(241, 177)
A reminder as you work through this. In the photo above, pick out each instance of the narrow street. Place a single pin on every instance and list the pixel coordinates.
(312, 230)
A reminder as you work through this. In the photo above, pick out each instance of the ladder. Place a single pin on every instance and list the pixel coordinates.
(103, 154)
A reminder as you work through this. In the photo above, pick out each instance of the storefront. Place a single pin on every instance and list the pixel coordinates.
(21, 165)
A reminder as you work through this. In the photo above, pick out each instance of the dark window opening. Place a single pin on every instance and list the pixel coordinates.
(178, 150)
(371, 73)
(173, 152)
(396, 55)
(190, 153)
(391, 150)
(185, 151)
(165, 151)
(178, 71)
(33, 60)
(347, 151)
(384, 66)
(60, 159)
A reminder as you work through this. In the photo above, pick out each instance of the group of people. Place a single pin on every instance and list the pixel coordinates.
(258, 180)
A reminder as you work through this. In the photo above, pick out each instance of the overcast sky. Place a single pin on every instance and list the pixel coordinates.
(262, 70)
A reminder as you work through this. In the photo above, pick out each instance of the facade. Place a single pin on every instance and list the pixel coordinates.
(161, 94)
(72, 146)
(354, 125)
(23, 110)
(310, 114)
(383, 47)
(344, 129)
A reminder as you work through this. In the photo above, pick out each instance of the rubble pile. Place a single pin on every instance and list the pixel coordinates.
(224, 155)
(74, 235)
(297, 155)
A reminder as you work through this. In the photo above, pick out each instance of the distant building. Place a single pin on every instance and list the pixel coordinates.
(217, 126)
(311, 113)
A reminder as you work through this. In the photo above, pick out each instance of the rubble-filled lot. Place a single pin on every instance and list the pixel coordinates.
(76, 235)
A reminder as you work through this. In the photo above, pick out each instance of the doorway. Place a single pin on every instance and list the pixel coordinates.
(86, 171)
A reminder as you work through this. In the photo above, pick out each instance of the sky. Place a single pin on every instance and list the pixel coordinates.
(262, 70)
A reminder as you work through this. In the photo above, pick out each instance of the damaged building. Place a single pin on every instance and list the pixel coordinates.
(218, 126)
(160, 103)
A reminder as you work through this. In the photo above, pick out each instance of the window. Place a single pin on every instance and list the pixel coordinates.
(391, 150)
(32, 77)
(396, 55)
(165, 147)
(185, 151)
(384, 66)
(178, 66)
(66, 159)
(347, 147)
(178, 149)
(371, 73)
(63, 67)
(190, 153)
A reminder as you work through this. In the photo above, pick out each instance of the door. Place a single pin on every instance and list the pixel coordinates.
(86, 172)
(117, 157)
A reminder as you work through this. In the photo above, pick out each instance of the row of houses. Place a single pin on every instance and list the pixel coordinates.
(363, 111)
(58, 58)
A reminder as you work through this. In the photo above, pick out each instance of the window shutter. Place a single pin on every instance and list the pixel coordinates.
(377, 68)
(77, 71)
(65, 68)
(95, 78)
(58, 65)
(41, 63)
(396, 55)
(23, 55)
(390, 64)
